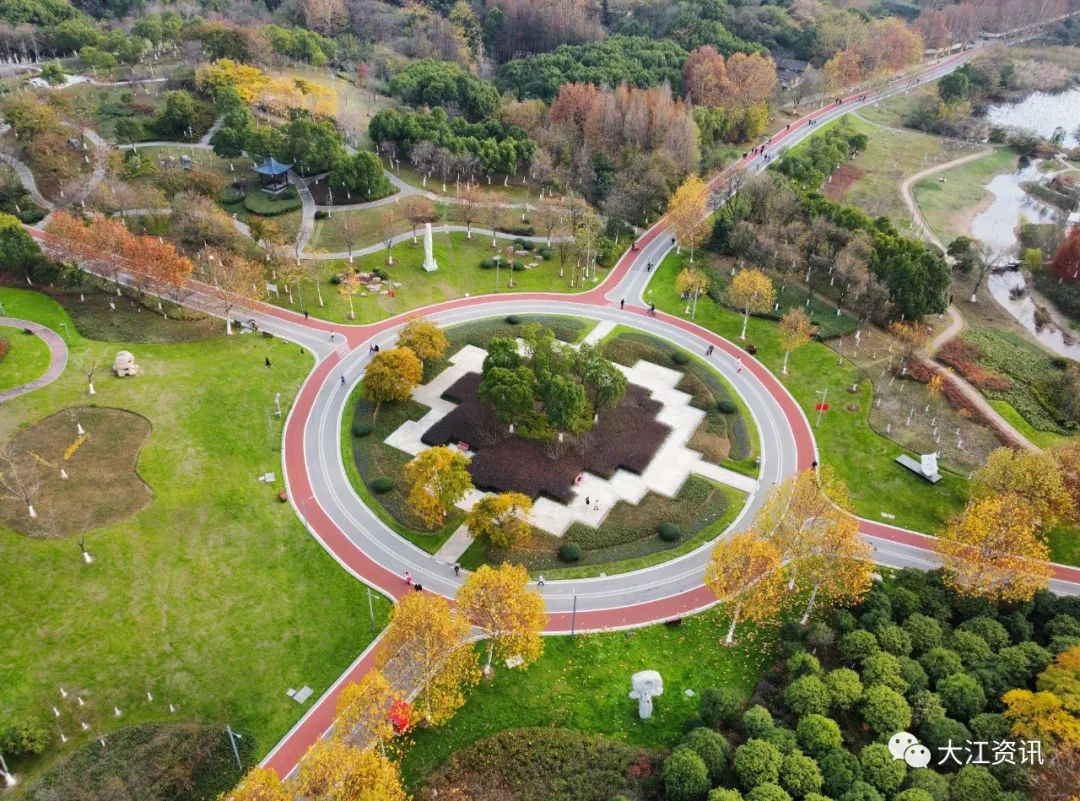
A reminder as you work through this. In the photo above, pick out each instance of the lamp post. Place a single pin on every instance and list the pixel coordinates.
(233, 737)
(498, 260)
(9, 777)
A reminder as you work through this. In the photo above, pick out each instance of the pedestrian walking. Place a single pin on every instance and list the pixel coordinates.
(408, 577)
(331, 334)
(709, 350)
(622, 304)
(419, 587)
(343, 380)
(457, 570)
(305, 314)
(267, 361)
(738, 364)
(539, 581)
(587, 501)
(652, 309)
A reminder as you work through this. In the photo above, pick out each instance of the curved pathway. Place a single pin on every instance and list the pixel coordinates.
(58, 357)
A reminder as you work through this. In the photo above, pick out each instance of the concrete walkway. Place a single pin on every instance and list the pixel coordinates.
(58, 357)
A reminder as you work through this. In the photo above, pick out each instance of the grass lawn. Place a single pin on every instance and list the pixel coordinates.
(890, 157)
(1064, 542)
(582, 683)
(459, 274)
(949, 206)
(1044, 439)
(229, 169)
(893, 111)
(514, 192)
(862, 457)
(213, 597)
(26, 359)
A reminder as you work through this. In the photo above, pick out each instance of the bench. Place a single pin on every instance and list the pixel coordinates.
(916, 468)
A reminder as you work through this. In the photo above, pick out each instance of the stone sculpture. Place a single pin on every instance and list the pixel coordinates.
(646, 684)
(429, 255)
(124, 364)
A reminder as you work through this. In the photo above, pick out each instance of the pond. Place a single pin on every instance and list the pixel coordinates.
(1049, 334)
(996, 225)
(1040, 113)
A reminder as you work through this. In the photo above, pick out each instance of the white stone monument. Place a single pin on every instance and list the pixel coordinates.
(124, 364)
(647, 684)
(429, 256)
(928, 462)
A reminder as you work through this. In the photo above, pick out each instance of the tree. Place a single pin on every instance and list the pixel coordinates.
(231, 279)
(429, 646)
(1068, 459)
(1066, 261)
(1052, 713)
(470, 202)
(885, 710)
(817, 734)
(991, 550)
(511, 392)
(751, 291)
(744, 574)
(362, 173)
(753, 78)
(691, 282)
(844, 70)
(363, 711)
(498, 601)
(962, 695)
(333, 770)
(424, 338)
(685, 776)
(18, 250)
(687, 211)
(605, 384)
(418, 210)
(757, 762)
(260, 784)
(1033, 476)
(705, 78)
(390, 376)
(501, 520)
(845, 688)
(20, 476)
(712, 747)
(388, 228)
(564, 402)
(438, 478)
(795, 331)
(806, 695)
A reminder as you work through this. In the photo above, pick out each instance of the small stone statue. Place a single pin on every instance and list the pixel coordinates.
(646, 684)
(124, 364)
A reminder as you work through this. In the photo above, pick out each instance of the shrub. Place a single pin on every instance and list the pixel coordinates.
(712, 747)
(669, 532)
(720, 706)
(258, 203)
(799, 775)
(925, 632)
(894, 639)
(545, 253)
(962, 695)
(912, 673)
(685, 776)
(382, 484)
(839, 770)
(974, 783)
(680, 358)
(724, 794)
(570, 552)
(926, 707)
(230, 194)
(23, 737)
(757, 762)
(512, 319)
(321, 215)
(930, 782)
(845, 688)
(487, 264)
(804, 664)
(517, 265)
(940, 662)
(862, 791)
(783, 738)
(883, 669)
(857, 645)
(969, 647)
(913, 795)
(361, 428)
(807, 695)
(885, 710)
(768, 792)
(880, 769)
(817, 734)
(937, 733)
(727, 406)
(756, 721)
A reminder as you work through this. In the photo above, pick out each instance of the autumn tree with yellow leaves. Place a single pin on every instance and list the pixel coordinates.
(1068, 461)
(805, 517)
(390, 376)
(260, 784)
(1051, 714)
(687, 210)
(363, 711)
(498, 601)
(795, 331)
(428, 646)
(438, 478)
(692, 282)
(424, 338)
(744, 572)
(1033, 476)
(333, 770)
(992, 550)
(501, 520)
(752, 292)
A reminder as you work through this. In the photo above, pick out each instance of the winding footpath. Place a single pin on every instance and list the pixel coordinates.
(320, 492)
(58, 356)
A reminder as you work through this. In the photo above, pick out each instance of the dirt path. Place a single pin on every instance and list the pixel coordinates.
(909, 199)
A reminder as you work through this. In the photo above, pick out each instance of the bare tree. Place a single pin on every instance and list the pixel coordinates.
(89, 365)
(20, 477)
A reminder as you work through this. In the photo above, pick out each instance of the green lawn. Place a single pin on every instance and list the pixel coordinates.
(515, 192)
(213, 597)
(862, 457)
(582, 683)
(1064, 542)
(26, 359)
(459, 274)
(1044, 439)
(948, 206)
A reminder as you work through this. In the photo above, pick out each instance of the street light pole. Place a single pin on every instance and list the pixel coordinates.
(9, 777)
(233, 737)
(573, 617)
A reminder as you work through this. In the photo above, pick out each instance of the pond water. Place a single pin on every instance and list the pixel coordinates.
(996, 225)
(1040, 113)
(1063, 343)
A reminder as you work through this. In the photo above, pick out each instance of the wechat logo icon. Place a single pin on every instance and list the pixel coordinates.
(906, 746)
